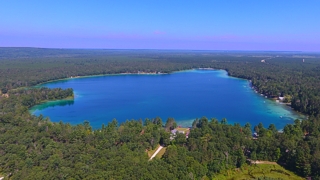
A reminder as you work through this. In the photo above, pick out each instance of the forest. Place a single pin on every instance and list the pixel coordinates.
(34, 148)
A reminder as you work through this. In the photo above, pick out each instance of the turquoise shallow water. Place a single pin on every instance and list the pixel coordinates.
(184, 95)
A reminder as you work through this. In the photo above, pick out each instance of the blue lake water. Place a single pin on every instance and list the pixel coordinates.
(184, 95)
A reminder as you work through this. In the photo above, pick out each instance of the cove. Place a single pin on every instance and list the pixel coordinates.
(184, 95)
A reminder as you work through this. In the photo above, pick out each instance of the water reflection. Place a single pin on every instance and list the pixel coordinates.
(68, 102)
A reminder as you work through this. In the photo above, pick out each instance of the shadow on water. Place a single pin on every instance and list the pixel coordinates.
(45, 105)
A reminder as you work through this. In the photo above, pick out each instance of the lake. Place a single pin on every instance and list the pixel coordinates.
(184, 95)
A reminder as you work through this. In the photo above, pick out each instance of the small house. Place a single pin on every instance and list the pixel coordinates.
(174, 131)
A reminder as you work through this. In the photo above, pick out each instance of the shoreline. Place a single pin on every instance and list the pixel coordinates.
(255, 89)
(126, 73)
(97, 75)
(129, 73)
(31, 110)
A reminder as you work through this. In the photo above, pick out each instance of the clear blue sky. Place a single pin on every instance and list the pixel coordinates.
(161, 24)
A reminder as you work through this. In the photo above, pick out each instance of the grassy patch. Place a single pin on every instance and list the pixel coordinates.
(273, 171)
(151, 152)
(161, 152)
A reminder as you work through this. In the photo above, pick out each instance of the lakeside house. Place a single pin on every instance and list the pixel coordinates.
(174, 132)
(255, 136)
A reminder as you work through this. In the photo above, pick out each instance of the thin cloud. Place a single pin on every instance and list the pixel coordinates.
(159, 32)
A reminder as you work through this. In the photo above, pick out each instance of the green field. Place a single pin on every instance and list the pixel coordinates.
(264, 171)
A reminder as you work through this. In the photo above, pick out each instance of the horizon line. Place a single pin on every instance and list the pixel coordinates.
(155, 49)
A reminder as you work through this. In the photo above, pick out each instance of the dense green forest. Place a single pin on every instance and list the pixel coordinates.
(34, 148)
